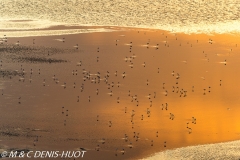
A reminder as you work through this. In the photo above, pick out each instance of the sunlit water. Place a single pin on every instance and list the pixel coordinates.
(40, 113)
(146, 69)
(188, 16)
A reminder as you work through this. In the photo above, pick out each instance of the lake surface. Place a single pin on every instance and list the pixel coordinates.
(129, 80)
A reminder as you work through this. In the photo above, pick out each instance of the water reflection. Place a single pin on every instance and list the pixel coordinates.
(78, 102)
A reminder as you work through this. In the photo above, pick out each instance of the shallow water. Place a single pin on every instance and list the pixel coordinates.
(194, 60)
(52, 32)
(183, 89)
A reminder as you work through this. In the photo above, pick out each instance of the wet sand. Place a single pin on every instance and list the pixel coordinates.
(184, 91)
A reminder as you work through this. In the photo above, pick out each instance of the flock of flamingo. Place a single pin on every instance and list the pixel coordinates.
(111, 84)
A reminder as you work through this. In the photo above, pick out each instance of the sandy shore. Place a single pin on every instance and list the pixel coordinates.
(227, 150)
(125, 94)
